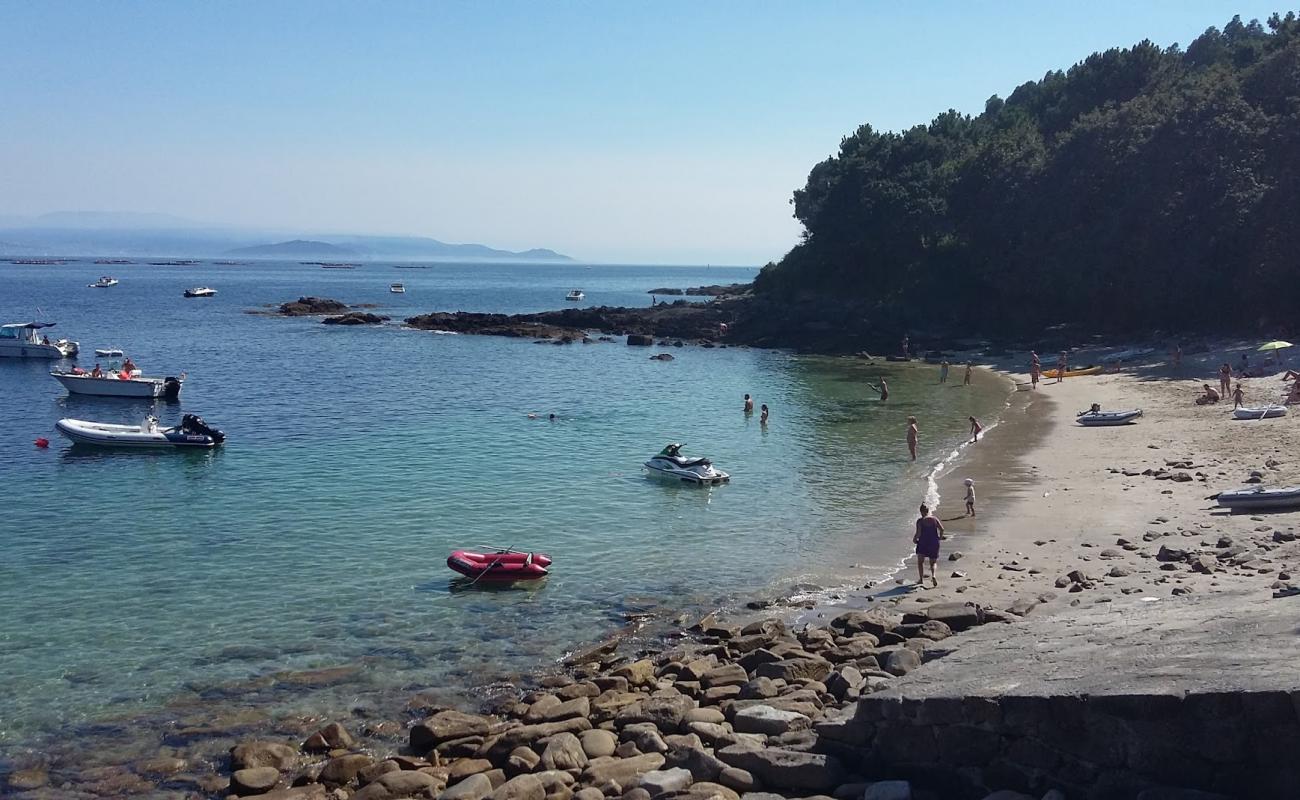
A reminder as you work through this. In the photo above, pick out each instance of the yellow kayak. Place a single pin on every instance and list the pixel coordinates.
(1074, 373)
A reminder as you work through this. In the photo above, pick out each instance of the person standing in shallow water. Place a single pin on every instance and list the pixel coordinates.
(1035, 368)
(762, 417)
(975, 429)
(929, 530)
(911, 436)
(749, 404)
(966, 381)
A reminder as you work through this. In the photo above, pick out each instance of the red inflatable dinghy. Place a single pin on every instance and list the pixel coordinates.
(500, 567)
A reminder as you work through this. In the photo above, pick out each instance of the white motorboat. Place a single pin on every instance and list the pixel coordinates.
(397, 288)
(669, 463)
(109, 352)
(200, 291)
(1097, 418)
(1259, 497)
(104, 282)
(192, 432)
(1260, 412)
(114, 384)
(21, 340)
(576, 294)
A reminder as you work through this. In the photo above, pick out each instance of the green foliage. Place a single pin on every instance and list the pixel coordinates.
(1142, 188)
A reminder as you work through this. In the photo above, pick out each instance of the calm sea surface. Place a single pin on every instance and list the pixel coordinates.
(359, 457)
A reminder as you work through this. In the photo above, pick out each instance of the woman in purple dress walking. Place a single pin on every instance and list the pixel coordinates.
(929, 530)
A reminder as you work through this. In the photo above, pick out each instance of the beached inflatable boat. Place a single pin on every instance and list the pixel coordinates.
(503, 566)
(1261, 498)
(1260, 412)
(1101, 418)
(1074, 373)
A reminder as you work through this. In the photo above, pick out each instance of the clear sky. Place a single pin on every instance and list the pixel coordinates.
(628, 132)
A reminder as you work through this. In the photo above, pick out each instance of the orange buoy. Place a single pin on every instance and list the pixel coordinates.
(42, 442)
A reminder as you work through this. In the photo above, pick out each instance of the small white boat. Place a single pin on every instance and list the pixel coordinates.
(112, 384)
(200, 291)
(20, 340)
(669, 463)
(576, 294)
(1260, 412)
(104, 282)
(1259, 497)
(397, 288)
(109, 352)
(1097, 419)
(192, 432)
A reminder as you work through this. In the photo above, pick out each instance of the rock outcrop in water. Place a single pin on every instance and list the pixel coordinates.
(356, 318)
(309, 306)
(680, 320)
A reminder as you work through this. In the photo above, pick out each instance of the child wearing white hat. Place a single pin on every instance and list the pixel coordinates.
(970, 497)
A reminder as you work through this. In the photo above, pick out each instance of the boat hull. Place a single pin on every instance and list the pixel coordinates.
(499, 567)
(1267, 412)
(60, 349)
(1108, 419)
(113, 386)
(712, 477)
(1251, 499)
(102, 434)
(1073, 373)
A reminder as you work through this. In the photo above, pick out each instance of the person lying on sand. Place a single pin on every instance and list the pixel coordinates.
(1210, 396)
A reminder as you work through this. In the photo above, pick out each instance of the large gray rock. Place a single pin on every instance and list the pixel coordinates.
(724, 675)
(405, 783)
(703, 765)
(957, 616)
(521, 787)
(664, 781)
(793, 669)
(888, 790)
(254, 780)
(341, 770)
(249, 755)
(475, 787)
(564, 752)
(666, 711)
(769, 721)
(527, 734)
(738, 780)
(786, 769)
(855, 622)
(623, 771)
(597, 743)
(446, 726)
(331, 737)
(902, 661)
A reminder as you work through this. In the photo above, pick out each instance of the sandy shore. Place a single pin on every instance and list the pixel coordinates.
(1055, 497)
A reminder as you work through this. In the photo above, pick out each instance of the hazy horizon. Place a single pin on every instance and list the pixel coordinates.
(612, 134)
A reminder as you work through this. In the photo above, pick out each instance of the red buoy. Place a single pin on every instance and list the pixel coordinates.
(42, 442)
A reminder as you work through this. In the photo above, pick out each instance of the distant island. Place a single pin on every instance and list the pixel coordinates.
(108, 233)
(295, 248)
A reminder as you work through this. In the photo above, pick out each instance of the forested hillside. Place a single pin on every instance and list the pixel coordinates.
(1142, 188)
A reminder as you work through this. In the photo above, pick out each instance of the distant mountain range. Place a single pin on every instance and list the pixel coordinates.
(106, 233)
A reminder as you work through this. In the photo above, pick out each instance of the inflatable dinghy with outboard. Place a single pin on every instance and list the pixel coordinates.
(192, 432)
(1095, 417)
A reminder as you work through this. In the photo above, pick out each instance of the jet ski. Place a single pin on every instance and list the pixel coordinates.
(192, 432)
(670, 463)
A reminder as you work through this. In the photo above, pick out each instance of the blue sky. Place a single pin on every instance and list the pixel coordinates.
(656, 132)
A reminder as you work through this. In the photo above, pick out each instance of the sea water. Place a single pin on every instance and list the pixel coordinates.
(359, 457)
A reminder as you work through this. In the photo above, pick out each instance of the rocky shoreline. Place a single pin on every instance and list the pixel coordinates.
(719, 711)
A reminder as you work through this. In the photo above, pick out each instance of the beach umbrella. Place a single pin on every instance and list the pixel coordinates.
(1274, 345)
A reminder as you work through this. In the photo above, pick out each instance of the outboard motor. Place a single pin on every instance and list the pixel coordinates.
(191, 423)
(171, 389)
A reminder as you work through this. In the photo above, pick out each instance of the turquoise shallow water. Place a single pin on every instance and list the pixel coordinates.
(358, 458)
